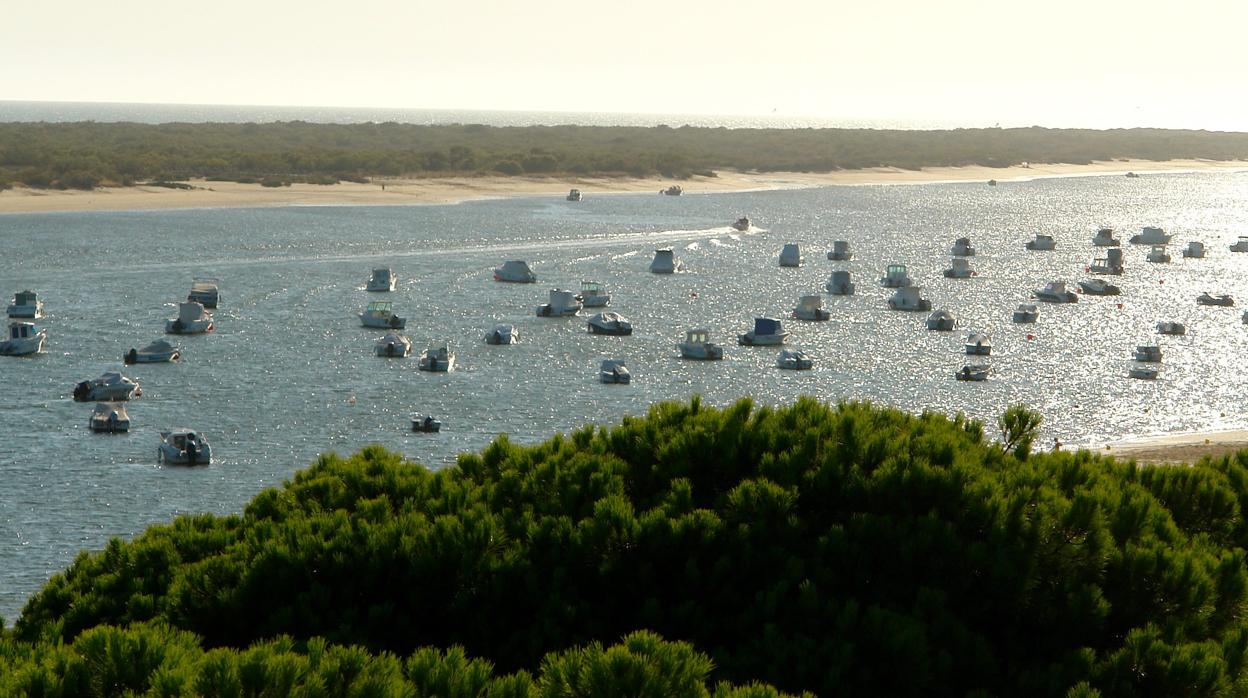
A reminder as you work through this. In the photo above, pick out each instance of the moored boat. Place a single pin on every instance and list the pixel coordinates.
(1151, 236)
(959, 268)
(794, 360)
(790, 256)
(614, 371)
(382, 280)
(593, 295)
(26, 305)
(1041, 243)
(437, 357)
(112, 386)
(1026, 313)
(1105, 238)
(393, 345)
(839, 283)
(191, 319)
(810, 307)
(1111, 263)
(766, 332)
(609, 323)
(380, 314)
(962, 248)
(561, 303)
(1147, 373)
(1194, 250)
(1055, 292)
(895, 276)
(978, 344)
(1171, 328)
(1207, 298)
(907, 298)
(941, 321)
(159, 351)
(1148, 353)
(109, 417)
(501, 334)
(699, 347)
(1099, 287)
(574, 195)
(972, 372)
(183, 447)
(674, 190)
(425, 423)
(205, 291)
(24, 339)
(665, 262)
(515, 271)
(1158, 255)
(840, 251)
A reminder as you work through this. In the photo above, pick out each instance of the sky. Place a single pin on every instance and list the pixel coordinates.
(1060, 63)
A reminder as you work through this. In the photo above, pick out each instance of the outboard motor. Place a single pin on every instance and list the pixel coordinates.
(81, 391)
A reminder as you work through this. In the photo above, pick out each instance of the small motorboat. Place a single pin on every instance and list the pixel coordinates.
(158, 352)
(1241, 245)
(205, 291)
(978, 344)
(393, 345)
(1151, 236)
(766, 332)
(1172, 328)
(794, 360)
(1111, 263)
(742, 224)
(895, 276)
(1158, 255)
(1147, 373)
(110, 387)
(382, 280)
(962, 248)
(941, 321)
(1148, 353)
(1055, 292)
(840, 251)
(1099, 287)
(24, 339)
(1042, 243)
(1196, 250)
(790, 256)
(26, 305)
(191, 319)
(1026, 313)
(425, 423)
(614, 371)
(593, 295)
(502, 334)
(438, 358)
(665, 262)
(1105, 238)
(972, 372)
(697, 346)
(839, 283)
(380, 314)
(515, 271)
(673, 190)
(811, 308)
(959, 268)
(109, 418)
(1207, 298)
(574, 195)
(609, 323)
(907, 298)
(561, 304)
(183, 447)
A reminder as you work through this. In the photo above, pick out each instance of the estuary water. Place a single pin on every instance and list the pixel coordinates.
(289, 373)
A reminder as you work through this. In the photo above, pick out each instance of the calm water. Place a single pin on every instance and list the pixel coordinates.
(271, 387)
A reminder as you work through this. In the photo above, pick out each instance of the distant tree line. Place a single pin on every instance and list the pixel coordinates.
(89, 154)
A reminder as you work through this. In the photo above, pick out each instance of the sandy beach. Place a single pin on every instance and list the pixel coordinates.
(381, 192)
(1178, 448)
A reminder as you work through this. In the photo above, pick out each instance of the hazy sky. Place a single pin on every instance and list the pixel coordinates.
(1057, 63)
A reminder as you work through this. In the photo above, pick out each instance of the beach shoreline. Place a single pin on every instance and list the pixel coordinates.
(452, 190)
(1171, 449)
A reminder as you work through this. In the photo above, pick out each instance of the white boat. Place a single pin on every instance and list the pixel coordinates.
(561, 304)
(380, 314)
(205, 291)
(1158, 255)
(674, 190)
(1042, 243)
(26, 305)
(665, 262)
(1105, 238)
(1055, 292)
(502, 334)
(574, 195)
(1111, 263)
(426, 424)
(895, 276)
(941, 321)
(24, 339)
(515, 271)
(1099, 287)
(840, 251)
(810, 307)
(393, 345)
(972, 372)
(437, 357)
(593, 295)
(907, 298)
(959, 268)
(1147, 373)
(698, 346)
(614, 371)
(1241, 245)
(962, 248)
(1151, 236)
(790, 256)
(839, 283)
(794, 360)
(183, 447)
(1196, 250)
(1148, 353)
(1207, 298)
(978, 344)
(109, 417)
(159, 351)
(1172, 328)
(1026, 313)
(609, 323)
(742, 224)
(766, 332)
(110, 387)
(191, 319)
(381, 280)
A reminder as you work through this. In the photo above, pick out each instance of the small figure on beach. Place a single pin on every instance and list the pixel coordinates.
(1057, 445)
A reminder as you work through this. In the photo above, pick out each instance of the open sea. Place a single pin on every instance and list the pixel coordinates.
(289, 373)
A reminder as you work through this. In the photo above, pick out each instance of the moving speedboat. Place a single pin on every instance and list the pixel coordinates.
(183, 447)
(794, 360)
(515, 271)
(840, 251)
(159, 351)
(941, 321)
(382, 280)
(907, 298)
(437, 357)
(895, 276)
(26, 304)
(1111, 263)
(1151, 236)
(1105, 238)
(574, 195)
(1241, 245)
(204, 290)
(962, 248)
(24, 339)
(790, 256)
(1055, 292)
(1099, 287)
(502, 334)
(426, 423)
(380, 314)
(1196, 250)
(561, 304)
(393, 345)
(1158, 255)
(1208, 299)
(110, 387)
(811, 308)
(978, 344)
(109, 417)
(1042, 243)
(610, 324)
(1173, 328)
(697, 346)
(665, 262)
(191, 319)
(614, 371)
(1148, 353)
(593, 295)
(959, 269)
(972, 372)
(766, 332)
(742, 224)
(673, 190)
(1026, 313)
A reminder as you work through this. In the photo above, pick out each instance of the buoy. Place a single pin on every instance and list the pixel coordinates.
(1120, 306)
(1031, 337)
(351, 400)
